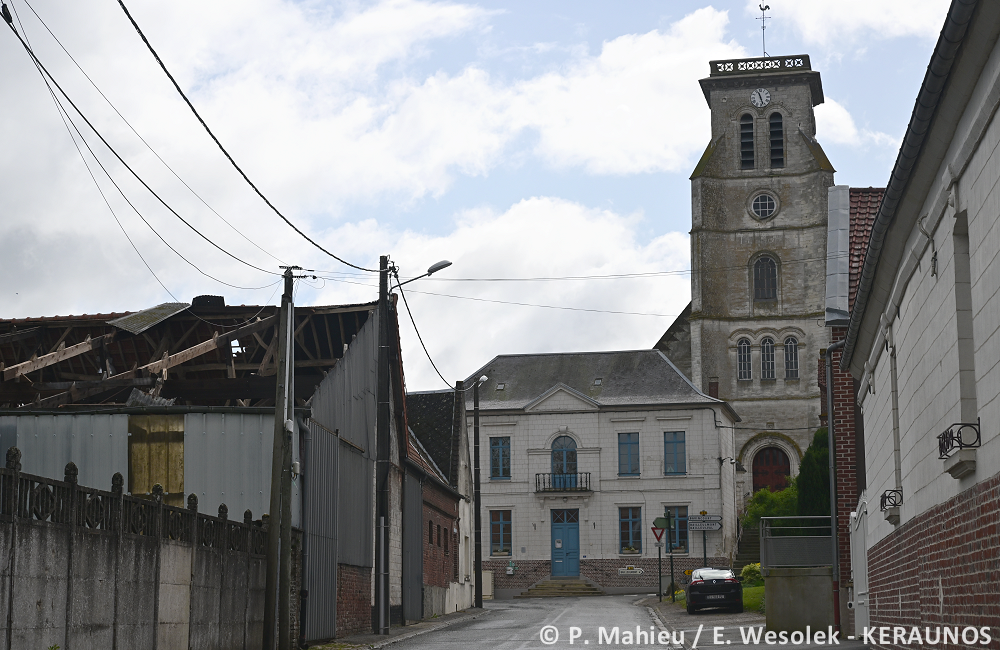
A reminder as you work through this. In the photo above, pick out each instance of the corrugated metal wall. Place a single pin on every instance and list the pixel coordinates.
(227, 459)
(226, 456)
(339, 478)
(97, 443)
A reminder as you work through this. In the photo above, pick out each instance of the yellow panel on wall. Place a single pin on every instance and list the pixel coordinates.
(156, 455)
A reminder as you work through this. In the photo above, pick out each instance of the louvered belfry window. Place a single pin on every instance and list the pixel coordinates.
(743, 371)
(791, 358)
(777, 141)
(765, 279)
(767, 359)
(746, 141)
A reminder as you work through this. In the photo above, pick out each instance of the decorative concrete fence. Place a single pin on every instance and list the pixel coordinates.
(87, 569)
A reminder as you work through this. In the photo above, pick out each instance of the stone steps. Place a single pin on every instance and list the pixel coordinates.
(749, 551)
(561, 588)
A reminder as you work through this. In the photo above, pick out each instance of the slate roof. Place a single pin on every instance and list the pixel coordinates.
(864, 207)
(628, 378)
(430, 416)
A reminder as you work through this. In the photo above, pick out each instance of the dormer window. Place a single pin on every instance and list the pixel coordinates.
(597, 382)
(746, 141)
(777, 141)
(501, 386)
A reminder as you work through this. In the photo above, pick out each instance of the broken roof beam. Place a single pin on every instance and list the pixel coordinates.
(219, 341)
(46, 360)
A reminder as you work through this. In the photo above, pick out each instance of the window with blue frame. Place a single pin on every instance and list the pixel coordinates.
(673, 453)
(500, 457)
(628, 454)
(500, 532)
(678, 533)
(630, 529)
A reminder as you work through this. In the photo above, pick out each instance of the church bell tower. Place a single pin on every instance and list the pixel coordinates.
(755, 327)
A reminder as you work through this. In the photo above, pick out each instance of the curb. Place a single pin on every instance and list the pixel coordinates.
(410, 635)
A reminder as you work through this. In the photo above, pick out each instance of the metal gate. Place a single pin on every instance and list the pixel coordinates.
(413, 556)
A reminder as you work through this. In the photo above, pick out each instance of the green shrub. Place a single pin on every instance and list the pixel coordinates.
(764, 503)
(751, 575)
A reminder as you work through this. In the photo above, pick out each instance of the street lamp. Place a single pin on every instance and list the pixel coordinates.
(434, 268)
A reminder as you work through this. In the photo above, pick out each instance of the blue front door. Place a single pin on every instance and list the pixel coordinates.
(565, 542)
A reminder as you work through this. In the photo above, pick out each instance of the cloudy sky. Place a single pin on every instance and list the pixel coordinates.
(517, 139)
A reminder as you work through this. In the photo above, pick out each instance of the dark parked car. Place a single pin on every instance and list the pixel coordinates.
(714, 588)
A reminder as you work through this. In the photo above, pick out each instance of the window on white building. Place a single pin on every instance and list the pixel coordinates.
(767, 358)
(743, 372)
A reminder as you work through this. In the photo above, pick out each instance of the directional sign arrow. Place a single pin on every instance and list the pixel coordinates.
(704, 525)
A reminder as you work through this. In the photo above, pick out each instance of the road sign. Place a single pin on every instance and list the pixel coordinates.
(660, 522)
(659, 544)
(704, 525)
(705, 518)
(658, 532)
(688, 572)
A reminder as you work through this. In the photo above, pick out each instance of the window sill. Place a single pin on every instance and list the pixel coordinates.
(499, 478)
(499, 554)
(668, 474)
(629, 476)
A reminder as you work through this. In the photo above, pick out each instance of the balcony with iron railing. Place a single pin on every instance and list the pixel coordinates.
(549, 482)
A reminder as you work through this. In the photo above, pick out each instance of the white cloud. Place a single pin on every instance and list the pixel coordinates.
(835, 125)
(635, 107)
(850, 22)
(538, 237)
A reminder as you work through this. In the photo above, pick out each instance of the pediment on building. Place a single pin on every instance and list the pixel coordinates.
(562, 398)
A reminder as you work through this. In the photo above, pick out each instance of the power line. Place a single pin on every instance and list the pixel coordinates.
(62, 112)
(148, 146)
(519, 304)
(613, 276)
(122, 160)
(223, 149)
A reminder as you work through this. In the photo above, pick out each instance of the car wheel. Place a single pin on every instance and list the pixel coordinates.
(692, 609)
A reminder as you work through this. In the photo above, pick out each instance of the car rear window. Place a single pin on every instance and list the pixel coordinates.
(715, 574)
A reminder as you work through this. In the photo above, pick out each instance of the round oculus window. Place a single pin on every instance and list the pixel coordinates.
(764, 206)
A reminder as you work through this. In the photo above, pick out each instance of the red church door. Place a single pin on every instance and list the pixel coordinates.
(770, 469)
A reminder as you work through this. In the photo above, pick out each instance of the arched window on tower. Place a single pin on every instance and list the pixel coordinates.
(791, 358)
(765, 279)
(777, 141)
(743, 372)
(767, 358)
(746, 141)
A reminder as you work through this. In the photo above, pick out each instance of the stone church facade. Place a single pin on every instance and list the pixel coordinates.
(755, 325)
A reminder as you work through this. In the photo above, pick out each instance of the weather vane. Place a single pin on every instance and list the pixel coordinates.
(762, 18)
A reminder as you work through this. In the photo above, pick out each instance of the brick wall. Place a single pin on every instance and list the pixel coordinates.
(848, 471)
(528, 572)
(354, 599)
(603, 573)
(440, 567)
(940, 568)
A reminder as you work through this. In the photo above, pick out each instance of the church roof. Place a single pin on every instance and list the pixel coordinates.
(627, 378)
(864, 207)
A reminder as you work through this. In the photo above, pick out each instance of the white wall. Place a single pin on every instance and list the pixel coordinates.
(704, 487)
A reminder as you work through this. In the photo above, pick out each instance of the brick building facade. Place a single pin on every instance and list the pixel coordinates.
(922, 341)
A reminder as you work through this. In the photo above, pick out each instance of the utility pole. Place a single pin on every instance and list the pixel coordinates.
(278, 578)
(479, 522)
(382, 455)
